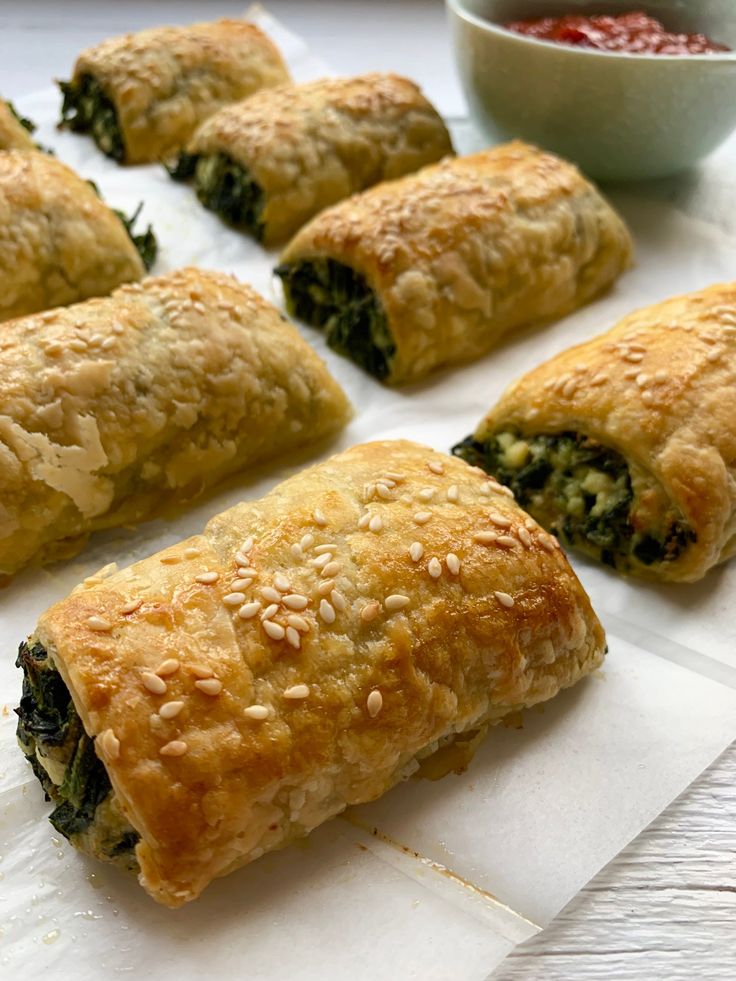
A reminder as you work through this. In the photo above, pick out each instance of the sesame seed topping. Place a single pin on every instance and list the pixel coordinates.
(248, 611)
(499, 520)
(269, 611)
(647, 397)
(436, 467)
(422, 517)
(325, 587)
(274, 630)
(247, 545)
(485, 489)
(396, 601)
(503, 598)
(271, 594)
(132, 606)
(98, 623)
(599, 379)
(321, 561)
(295, 601)
(206, 578)
(506, 540)
(169, 559)
(434, 567)
(177, 747)
(297, 691)
(453, 563)
(293, 638)
(307, 541)
(338, 601)
(506, 491)
(247, 572)
(241, 559)
(383, 491)
(525, 537)
(397, 477)
(154, 684)
(239, 585)
(634, 357)
(453, 494)
(110, 744)
(319, 518)
(257, 712)
(209, 686)
(374, 703)
(200, 671)
(296, 551)
(281, 582)
(364, 520)
(370, 611)
(321, 549)
(327, 611)
(375, 523)
(331, 569)
(169, 709)
(426, 494)
(416, 551)
(546, 543)
(406, 499)
(485, 537)
(299, 623)
(167, 667)
(233, 599)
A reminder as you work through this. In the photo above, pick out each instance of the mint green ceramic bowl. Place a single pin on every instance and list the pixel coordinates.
(618, 116)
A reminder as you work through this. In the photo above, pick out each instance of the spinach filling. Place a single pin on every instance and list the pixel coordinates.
(582, 492)
(224, 187)
(330, 295)
(27, 124)
(62, 756)
(145, 243)
(86, 109)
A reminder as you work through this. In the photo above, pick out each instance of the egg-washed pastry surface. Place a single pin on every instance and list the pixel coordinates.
(270, 163)
(59, 241)
(625, 446)
(113, 409)
(141, 96)
(436, 267)
(229, 694)
(15, 130)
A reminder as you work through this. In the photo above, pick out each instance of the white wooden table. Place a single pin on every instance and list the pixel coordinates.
(666, 906)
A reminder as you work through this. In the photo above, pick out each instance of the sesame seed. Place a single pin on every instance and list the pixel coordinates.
(383, 491)
(370, 611)
(98, 623)
(436, 467)
(296, 691)
(631, 375)
(485, 537)
(295, 601)
(177, 747)
(170, 559)
(257, 712)
(167, 667)
(321, 561)
(426, 494)
(209, 686)
(241, 559)
(293, 638)
(110, 744)
(506, 540)
(281, 582)
(416, 551)
(713, 355)
(200, 671)
(642, 378)
(504, 599)
(307, 541)
(296, 551)
(269, 611)
(453, 494)
(153, 683)
(321, 549)
(386, 481)
(327, 611)
(247, 545)
(434, 567)
(132, 606)
(247, 572)
(169, 709)
(299, 623)
(239, 585)
(375, 524)
(331, 569)
(485, 489)
(338, 600)
(325, 587)
(248, 611)
(634, 357)
(422, 517)
(596, 380)
(271, 594)
(319, 518)
(525, 537)
(530, 524)
(406, 499)
(647, 397)
(274, 630)
(398, 477)
(364, 520)
(546, 543)
(569, 388)
(206, 578)
(499, 520)
(453, 563)
(506, 491)
(374, 703)
(396, 601)
(234, 599)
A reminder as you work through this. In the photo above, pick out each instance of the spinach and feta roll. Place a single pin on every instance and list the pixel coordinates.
(625, 447)
(141, 96)
(270, 163)
(113, 409)
(15, 130)
(436, 267)
(226, 696)
(59, 242)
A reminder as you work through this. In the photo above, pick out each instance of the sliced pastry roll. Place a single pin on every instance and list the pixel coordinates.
(141, 96)
(270, 163)
(59, 241)
(219, 699)
(15, 130)
(114, 408)
(436, 267)
(625, 447)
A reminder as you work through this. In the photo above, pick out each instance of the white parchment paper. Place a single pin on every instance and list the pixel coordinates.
(436, 880)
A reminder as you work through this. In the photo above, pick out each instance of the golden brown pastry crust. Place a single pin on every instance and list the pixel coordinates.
(114, 408)
(59, 242)
(165, 81)
(509, 627)
(472, 248)
(660, 389)
(13, 135)
(308, 146)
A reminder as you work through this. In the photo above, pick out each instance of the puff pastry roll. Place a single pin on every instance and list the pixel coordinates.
(270, 163)
(434, 268)
(625, 447)
(112, 409)
(15, 130)
(59, 242)
(231, 693)
(141, 96)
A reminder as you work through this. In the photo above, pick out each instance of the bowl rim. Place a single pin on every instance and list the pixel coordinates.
(458, 8)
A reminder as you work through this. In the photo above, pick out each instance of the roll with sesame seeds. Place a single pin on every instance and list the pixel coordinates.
(434, 268)
(304, 713)
(141, 96)
(114, 409)
(625, 447)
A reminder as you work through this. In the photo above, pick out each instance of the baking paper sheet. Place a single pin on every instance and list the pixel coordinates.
(436, 880)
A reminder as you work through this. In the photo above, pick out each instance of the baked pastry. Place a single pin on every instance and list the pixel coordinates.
(227, 695)
(59, 242)
(112, 409)
(625, 447)
(271, 162)
(141, 96)
(15, 130)
(434, 268)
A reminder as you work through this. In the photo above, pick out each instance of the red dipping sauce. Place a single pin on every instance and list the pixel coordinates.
(635, 33)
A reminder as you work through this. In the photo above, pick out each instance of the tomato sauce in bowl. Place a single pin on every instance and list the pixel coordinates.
(631, 33)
